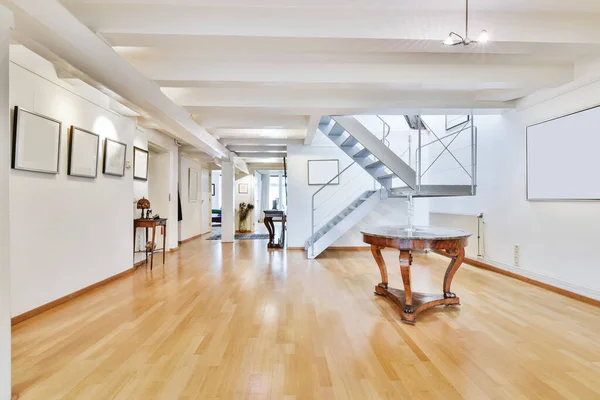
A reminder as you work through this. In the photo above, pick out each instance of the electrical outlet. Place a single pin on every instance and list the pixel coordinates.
(516, 255)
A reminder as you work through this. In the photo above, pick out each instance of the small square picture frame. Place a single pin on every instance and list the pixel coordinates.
(113, 162)
(83, 153)
(36, 142)
(140, 164)
(242, 188)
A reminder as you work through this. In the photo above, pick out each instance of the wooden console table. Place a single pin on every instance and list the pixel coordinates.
(269, 215)
(452, 241)
(150, 223)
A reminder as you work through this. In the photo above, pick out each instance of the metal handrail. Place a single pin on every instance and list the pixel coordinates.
(385, 134)
(456, 134)
(312, 225)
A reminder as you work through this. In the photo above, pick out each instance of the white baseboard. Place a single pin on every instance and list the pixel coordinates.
(549, 280)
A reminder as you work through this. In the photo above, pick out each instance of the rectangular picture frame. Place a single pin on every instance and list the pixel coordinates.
(327, 169)
(83, 153)
(140, 164)
(113, 163)
(243, 188)
(36, 142)
(193, 195)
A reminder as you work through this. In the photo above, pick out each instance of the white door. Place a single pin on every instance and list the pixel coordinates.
(206, 194)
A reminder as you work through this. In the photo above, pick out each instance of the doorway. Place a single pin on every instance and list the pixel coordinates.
(205, 196)
(159, 168)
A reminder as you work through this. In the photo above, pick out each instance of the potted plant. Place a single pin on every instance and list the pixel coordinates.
(243, 215)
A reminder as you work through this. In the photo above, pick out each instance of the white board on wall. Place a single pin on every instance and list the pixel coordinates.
(563, 158)
(321, 172)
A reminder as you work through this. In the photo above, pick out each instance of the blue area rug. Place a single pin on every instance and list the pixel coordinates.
(242, 236)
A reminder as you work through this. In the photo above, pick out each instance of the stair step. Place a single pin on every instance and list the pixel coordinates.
(336, 131)
(362, 153)
(375, 165)
(385, 176)
(349, 142)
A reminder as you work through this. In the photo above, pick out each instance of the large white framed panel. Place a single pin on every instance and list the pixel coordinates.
(563, 158)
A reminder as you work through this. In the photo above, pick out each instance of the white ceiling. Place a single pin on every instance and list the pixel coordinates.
(259, 69)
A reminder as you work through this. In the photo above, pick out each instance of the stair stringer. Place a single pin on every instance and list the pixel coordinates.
(346, 224)
(390, 159)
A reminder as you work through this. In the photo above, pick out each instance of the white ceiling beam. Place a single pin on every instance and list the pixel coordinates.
(240, 149)
(265, 166)
(262, 142)
(405, 106)
(262, 155)
(417, 76)
(313, 124)
(223, 119)
(360, 22)
(196, 100)
(239, 163)
(54, 30)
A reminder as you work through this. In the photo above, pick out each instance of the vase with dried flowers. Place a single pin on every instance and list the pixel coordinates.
(243, 214)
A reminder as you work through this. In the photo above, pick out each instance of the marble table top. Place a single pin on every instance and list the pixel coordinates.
(420, 233)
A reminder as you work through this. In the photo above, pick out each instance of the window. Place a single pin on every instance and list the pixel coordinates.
(277, 199)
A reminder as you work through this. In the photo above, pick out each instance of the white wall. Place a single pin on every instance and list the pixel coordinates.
(333, 199)
(192, 224)
(557, 240)
(66, 232)
(5, 301)
(247, 198)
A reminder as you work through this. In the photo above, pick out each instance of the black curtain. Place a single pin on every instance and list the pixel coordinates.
(179, 213)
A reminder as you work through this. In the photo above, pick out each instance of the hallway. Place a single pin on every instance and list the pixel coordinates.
(236, 321)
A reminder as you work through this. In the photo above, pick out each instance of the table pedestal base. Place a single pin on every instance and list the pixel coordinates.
(420, 302)
(413, 303)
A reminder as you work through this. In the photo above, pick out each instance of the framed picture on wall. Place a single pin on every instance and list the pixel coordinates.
(193, 185)
(213, 189)
(243, 188)
(36, 142)
(140, 164)
(453, 121)
(114, 158)
(321, 172)
(83, 153)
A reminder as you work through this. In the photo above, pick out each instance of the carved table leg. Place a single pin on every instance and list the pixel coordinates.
(376, 250)
(413, 303)
(405, 262)
(457, 259)
(271, 228)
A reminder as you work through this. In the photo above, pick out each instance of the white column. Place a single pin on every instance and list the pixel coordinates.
(227, 201)
(5, 24)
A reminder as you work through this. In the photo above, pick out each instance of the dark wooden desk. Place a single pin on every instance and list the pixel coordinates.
(150, 223)
(452, 241)
(268, 220)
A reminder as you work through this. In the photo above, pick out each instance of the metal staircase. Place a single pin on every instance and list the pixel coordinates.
(373, 155)
(376, 158)
(342, 222)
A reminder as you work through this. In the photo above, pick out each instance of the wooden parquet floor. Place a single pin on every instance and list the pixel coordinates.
(236, 321)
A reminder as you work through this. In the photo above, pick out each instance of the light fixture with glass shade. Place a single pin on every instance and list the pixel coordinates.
(454, 39)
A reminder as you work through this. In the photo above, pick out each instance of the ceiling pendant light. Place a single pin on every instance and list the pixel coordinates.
(454, 39)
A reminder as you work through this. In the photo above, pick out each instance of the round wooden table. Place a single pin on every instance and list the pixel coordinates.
(452, 241)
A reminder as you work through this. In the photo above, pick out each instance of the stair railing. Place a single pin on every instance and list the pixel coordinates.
(446, 148)
(314, 207)
(386, 132)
